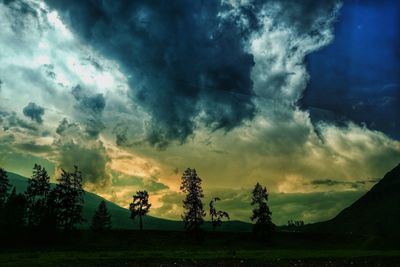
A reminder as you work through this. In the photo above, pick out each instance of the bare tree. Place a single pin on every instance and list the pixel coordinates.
(217, 215)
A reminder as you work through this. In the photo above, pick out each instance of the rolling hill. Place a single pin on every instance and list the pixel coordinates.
(120, 216)
(377, 212)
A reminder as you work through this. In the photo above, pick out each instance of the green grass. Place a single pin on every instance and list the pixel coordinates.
(161, 248)
(202, 257)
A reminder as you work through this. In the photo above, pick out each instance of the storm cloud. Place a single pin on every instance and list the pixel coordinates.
(91, 108)
(91, 160)
(188, 61)
(185, 62)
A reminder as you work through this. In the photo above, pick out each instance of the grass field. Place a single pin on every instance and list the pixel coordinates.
(157, 248)
(170, 257)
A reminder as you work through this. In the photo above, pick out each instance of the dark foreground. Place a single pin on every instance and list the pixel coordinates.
(131, 248)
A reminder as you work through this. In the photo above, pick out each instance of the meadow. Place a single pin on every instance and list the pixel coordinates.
(162, 248)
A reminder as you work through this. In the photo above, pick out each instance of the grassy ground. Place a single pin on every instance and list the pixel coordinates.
(130, 248)
(202, 258)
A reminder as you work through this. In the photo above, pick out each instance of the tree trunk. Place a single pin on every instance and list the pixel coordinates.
(140, 223)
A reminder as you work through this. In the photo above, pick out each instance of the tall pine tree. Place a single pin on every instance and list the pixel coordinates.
(101, 220)
(193, 216)
(15, 211)
(4, 187)
(36, 195)
(261, 212)
(69, 199)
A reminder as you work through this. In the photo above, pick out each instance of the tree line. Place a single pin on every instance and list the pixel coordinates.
(42, 206)
(60, 206)
(194, 212)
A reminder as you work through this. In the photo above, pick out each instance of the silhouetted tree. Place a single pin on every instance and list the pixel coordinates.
(50, 220)
(295, 226)
(36, 195)
(15, 211)
(4, 188)
(101, 219)
(217, 216)
(68, 199)
(261, 212)
(140, 206)
(194, 212)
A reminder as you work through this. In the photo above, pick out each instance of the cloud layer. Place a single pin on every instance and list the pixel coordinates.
(217, 85)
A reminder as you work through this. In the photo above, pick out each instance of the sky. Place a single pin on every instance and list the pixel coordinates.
(301, 96)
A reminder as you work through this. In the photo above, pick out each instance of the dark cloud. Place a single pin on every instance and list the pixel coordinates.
(64, 126)
(91, 161)
(91, 106)
(49, 71)
(34, 112)
(33, 147)
(183, 59)
(12, 121)
(150, 184)
(95, 103)
(350, 184)
(121, 138)
(75, 147)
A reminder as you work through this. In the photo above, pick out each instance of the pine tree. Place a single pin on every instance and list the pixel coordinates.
(36, 194)
(69, 199)
(4, 186)
(217, 216)
(15, 211)
(50, 220)
(261, 212)
(101, 219)
(194, 212)
(140, 206)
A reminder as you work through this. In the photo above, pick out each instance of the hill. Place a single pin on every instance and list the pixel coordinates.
(377, 212)
(121, 216)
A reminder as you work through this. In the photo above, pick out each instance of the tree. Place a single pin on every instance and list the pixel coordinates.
(50, 220)
(140, 206)
(261, 212)
(15, 211)
(36, 195)
(68, 199)
(295, 226)
(4, 186)
(194, 212)
(101, 219)
(217, 216)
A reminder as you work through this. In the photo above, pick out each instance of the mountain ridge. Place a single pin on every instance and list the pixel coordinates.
(120, 216)
(377, 212)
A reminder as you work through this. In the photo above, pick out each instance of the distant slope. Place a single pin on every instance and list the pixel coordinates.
(120, 216)
(377, 212)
